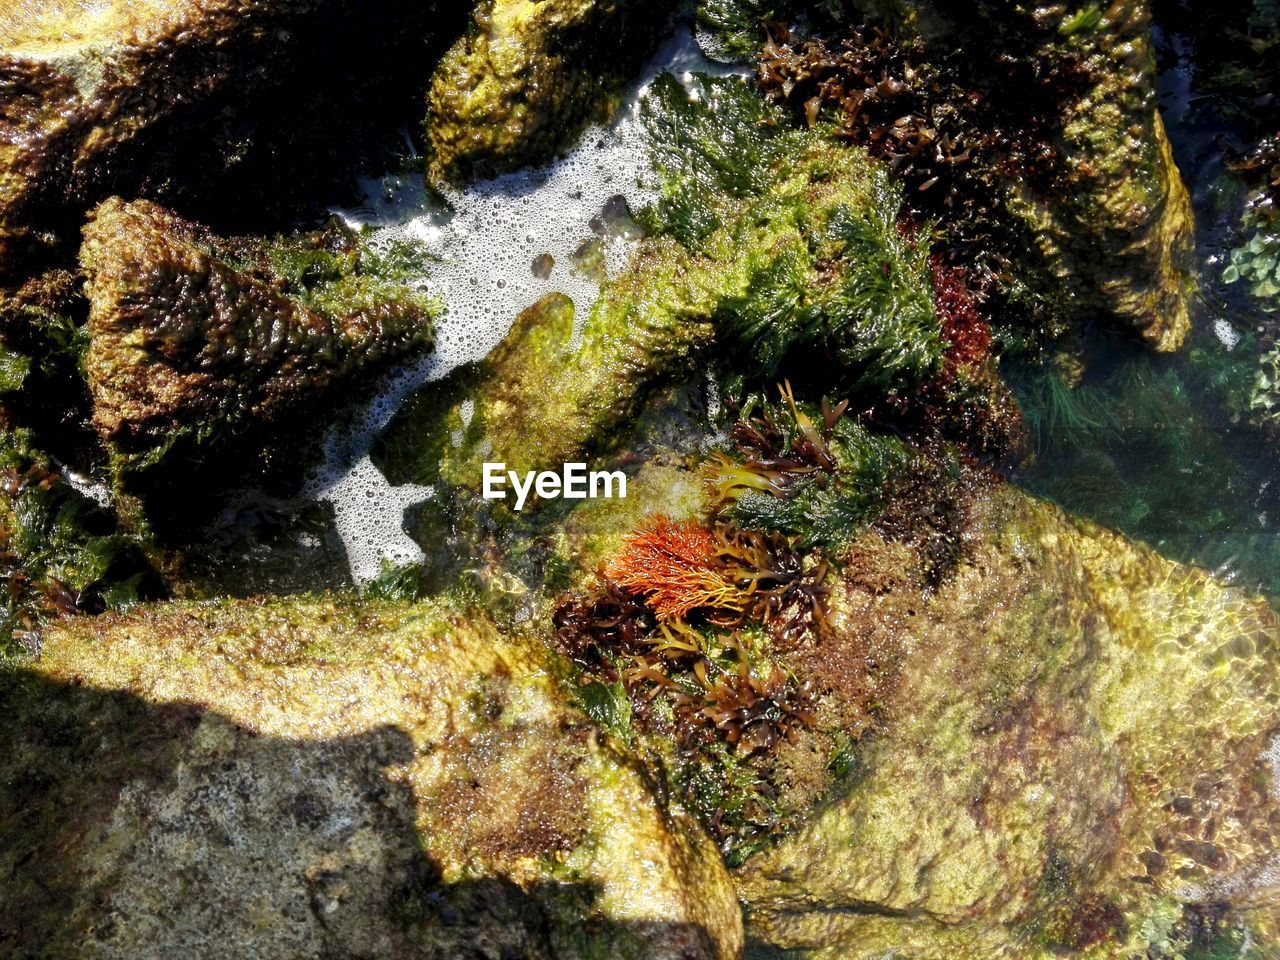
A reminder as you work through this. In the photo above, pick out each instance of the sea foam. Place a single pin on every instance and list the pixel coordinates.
(481, 243)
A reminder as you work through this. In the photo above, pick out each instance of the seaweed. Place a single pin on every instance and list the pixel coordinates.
(710, 145)
(61, 554)
(818, 485)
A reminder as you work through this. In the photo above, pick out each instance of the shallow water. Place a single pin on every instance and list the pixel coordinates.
(1160, 447)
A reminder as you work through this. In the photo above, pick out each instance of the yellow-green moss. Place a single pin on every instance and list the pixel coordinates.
(428, 750)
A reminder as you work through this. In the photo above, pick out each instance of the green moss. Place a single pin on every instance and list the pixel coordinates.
(751, 215)
(713, 145)
(827, 511)
(733, 30)
(528, 77)
(14, 368)
(60, 552)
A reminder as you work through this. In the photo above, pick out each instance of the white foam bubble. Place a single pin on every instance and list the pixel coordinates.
(482, 243)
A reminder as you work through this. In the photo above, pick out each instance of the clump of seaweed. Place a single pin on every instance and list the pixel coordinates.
(724, 574)
(827, 271)
(813, 475)
(947, 129)
(678, 568)
(60, 554)
(967, 335)
(751, 712)
(609, 622)
(702, 635)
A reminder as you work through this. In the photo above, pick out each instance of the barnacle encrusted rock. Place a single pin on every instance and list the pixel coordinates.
(317, 778)
(102, 97)
(1078, 755)
(196, 342)
(529, 75)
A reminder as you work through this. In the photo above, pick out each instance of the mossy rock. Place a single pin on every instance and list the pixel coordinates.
(530, 75)
(773, 245)
(314, 777)
(196, 343)
(239, 106)
(1116, 229)
(1075, 756)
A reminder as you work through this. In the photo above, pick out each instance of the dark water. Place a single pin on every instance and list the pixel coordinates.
(1163, 448)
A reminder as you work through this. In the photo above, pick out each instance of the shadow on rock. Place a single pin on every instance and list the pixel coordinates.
(129, 829)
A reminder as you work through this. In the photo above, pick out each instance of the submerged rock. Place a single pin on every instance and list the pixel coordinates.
(529, 75)
(196, 344)
(290, 778)
(1076, 756)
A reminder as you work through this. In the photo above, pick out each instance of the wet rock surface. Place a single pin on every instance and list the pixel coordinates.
(1076, 756)
(1119, 232)
(309, 778)
(528, 76)
(823, 686)
(194, 342)
(176, 96)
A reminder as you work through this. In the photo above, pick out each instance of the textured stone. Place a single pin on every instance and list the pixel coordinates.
(98, 98)
(195, 341)
(529, 75)
(1078, 754)
(313, 778)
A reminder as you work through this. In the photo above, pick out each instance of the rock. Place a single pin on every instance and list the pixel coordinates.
(198, 343)
(529, 76)
(1031, 132)
(320, 778)
(1116, 230)
(1077, 753)
(765, 242)
(116, 96)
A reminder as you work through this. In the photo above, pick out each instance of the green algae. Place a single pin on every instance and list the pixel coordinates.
(1256, 264)
(527, 78)
(62, 553)
(750, 210)
(826, 511)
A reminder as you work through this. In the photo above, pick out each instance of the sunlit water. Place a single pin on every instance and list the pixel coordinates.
(1160, 447)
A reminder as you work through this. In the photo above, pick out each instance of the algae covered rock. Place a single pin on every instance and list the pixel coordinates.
(1116, 226)
(529, 75)
(1076, 757)
(196, 344)
(314, 778)
(97, 98)
(766, 246)
(1032, 134)
(1122, 232)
